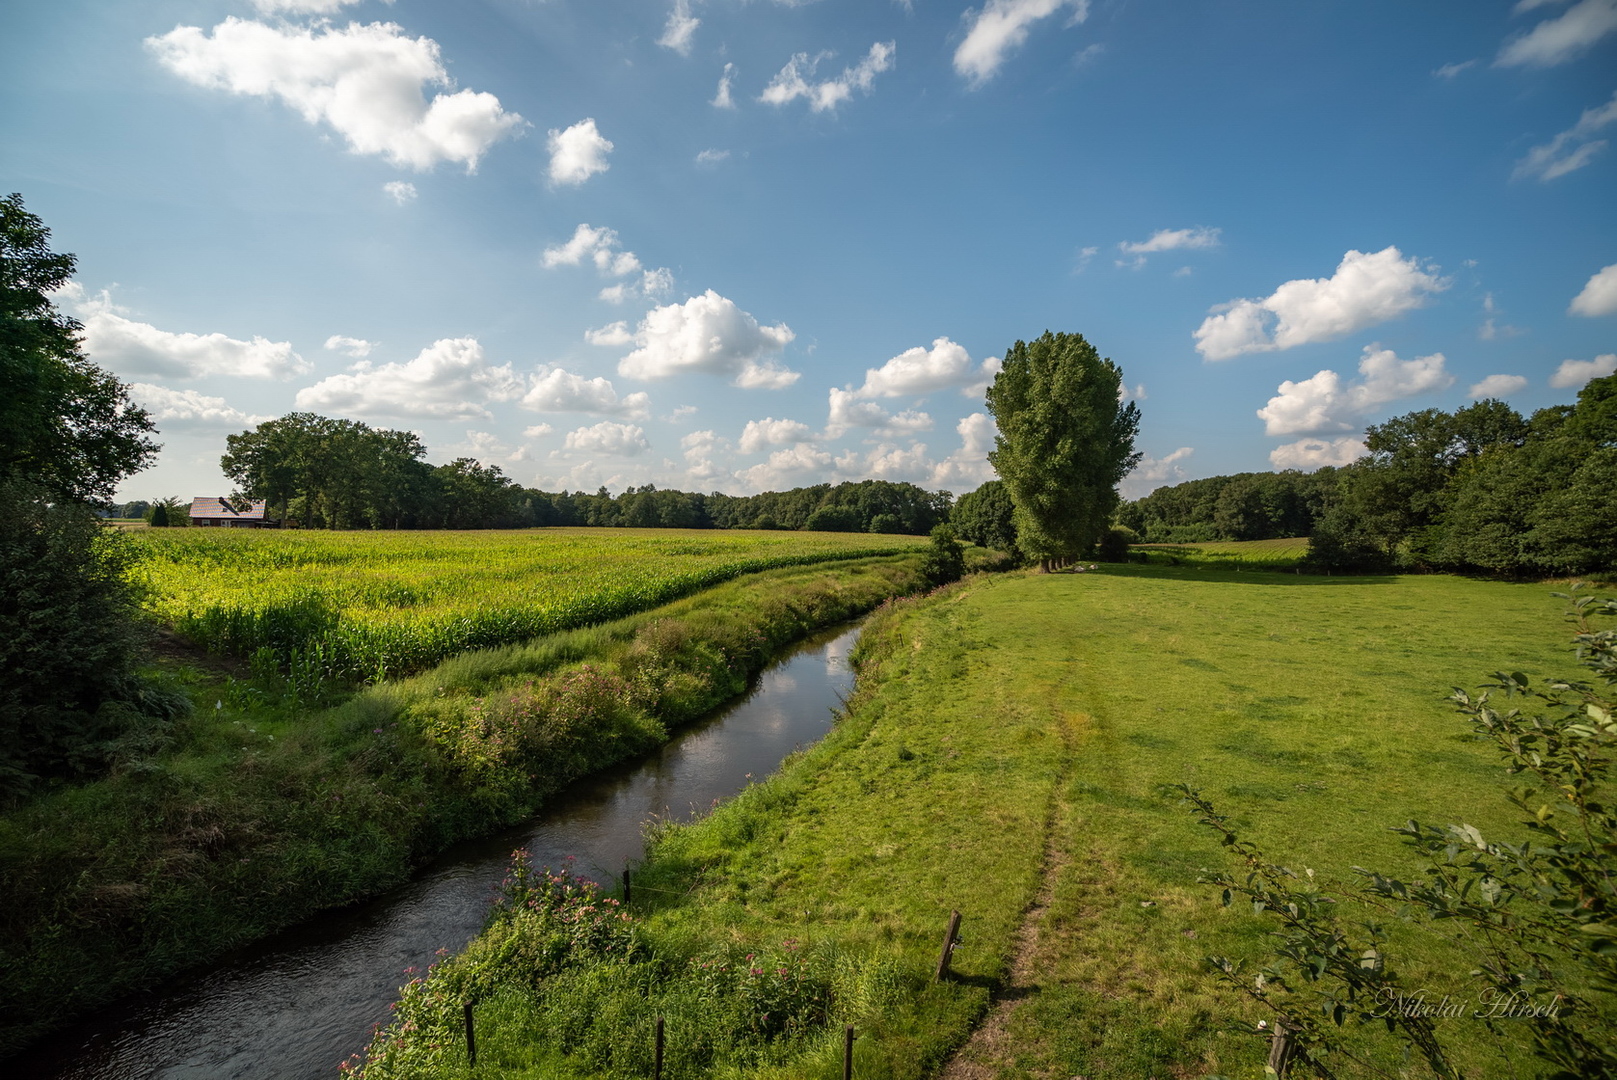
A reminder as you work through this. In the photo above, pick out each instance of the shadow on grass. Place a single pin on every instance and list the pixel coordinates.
(1232, 576)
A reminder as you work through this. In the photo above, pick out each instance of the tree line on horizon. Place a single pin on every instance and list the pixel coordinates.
(344, 474)
(1480, 489)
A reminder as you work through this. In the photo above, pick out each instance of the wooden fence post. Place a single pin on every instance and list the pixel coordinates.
(1280, 1051)
(625, 886)
(657, 1066)
(948, 947)
(471, 1036)
(847, 1053)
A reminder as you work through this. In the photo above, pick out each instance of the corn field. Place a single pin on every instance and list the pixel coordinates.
(374, 605)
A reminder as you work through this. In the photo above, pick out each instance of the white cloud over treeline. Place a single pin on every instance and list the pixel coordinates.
(1365, 290)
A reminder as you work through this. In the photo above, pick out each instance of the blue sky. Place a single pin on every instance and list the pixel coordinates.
(733, 245)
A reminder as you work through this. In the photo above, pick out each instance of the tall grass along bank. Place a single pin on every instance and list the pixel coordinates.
(1005, 755)
(258, 815)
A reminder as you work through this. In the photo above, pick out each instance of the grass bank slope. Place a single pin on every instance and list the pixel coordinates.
(255, 813)
(1003, 756)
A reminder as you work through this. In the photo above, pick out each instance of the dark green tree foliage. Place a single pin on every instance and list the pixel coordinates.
(67, 637)
(69, 702)
(945, 560)
(1242, 506)
(1482, 489)
(1064, 443)
(987, 517)
(159, 518)
(64, 423)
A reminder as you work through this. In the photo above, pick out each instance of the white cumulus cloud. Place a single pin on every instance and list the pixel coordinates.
(1154, 472)
(711, 335)
(304, 7)
(711, 157)
(792, 81)
(1326, 403)
(612, 334)
(187, 407)
(1561, 38)
(788, 468)
(367, 82)
(1365, 290)
(601, 247)
(578, 153)
(1599, 295)
(1572, 374)
(723, 99)
(1573, 148)
(847, 411)
(400, 191)
(608, 437)
(921, 371)
(680, 29)
(1172, 240)
(1001, 26)
(1311, 454)
(1498, 386)
(759, 434)
(448, 380)
(559, 390)
(350, 346)
(136, 348)
(967, 468)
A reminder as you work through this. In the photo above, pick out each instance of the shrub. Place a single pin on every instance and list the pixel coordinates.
(1114, 546)
(945, 560)
(69, 699)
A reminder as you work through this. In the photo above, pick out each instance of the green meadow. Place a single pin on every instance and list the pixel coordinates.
(1006, 755)
(1280, 554)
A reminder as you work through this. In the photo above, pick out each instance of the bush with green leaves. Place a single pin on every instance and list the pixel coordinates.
(1535, 914)
(945, 560)
(69, 635)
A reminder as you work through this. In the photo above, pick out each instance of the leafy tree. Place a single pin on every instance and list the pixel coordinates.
(1064, 443)
(68, 434)
(159, 518)
(834, 519)
(986, 517)
(65, 424)
(945, 560)
(1114, 544)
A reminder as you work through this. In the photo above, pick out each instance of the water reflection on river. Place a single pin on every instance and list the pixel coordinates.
(297, 1004)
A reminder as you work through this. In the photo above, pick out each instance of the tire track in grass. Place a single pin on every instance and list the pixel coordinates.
(990, 1044)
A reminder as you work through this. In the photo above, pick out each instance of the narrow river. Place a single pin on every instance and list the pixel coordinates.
(297, 1004)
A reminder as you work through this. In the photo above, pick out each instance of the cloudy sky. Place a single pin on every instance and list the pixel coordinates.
(751, 244)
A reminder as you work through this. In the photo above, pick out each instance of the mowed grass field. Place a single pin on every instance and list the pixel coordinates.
(371, 604)
(1280, 554)
(1006, 754)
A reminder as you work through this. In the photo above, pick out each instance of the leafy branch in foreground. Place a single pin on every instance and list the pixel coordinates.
(1537, 916)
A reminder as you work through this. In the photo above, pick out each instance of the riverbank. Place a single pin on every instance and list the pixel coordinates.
(256, 817)
(1005, 756)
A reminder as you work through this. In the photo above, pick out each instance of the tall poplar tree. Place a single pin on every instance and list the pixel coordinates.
(1065, 441)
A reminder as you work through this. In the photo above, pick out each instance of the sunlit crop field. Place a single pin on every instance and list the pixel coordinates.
(1244, 554)
(366, 605)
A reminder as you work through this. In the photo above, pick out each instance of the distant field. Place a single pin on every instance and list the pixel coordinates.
(363, 604)
(1244, 554)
